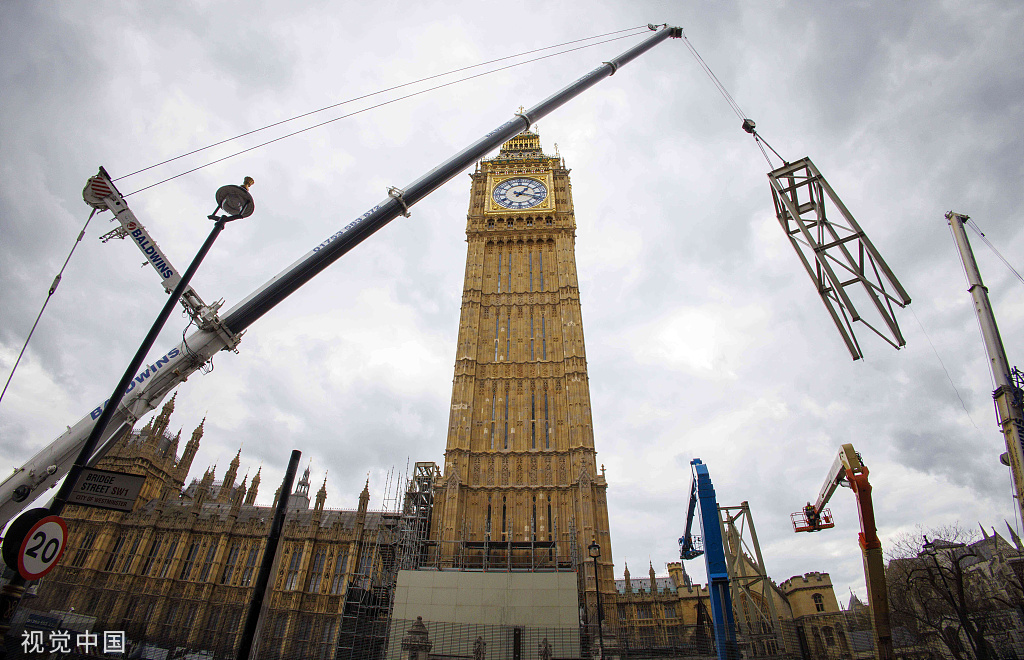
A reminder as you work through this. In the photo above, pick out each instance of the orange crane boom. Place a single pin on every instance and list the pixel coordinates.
(849, 469)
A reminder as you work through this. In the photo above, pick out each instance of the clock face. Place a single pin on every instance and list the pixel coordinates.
(520, 193)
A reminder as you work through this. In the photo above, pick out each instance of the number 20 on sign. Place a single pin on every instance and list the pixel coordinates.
(35, 543)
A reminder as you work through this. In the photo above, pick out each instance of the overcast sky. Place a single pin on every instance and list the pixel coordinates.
(705, 337)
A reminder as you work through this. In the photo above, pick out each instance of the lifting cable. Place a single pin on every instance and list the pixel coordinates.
(53, 287)
(973, 225)
(633, 33)
(748, 124)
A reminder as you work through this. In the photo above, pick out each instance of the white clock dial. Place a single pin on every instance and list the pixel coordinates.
(520, 193)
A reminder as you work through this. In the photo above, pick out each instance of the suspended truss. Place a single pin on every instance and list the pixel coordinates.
(837, 254)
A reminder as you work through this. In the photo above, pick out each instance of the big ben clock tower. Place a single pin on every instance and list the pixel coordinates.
(521, 486)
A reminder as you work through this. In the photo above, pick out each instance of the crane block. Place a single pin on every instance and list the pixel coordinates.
(850, 275)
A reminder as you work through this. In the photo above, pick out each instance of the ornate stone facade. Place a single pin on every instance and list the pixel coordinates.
(674, 613)
(179, 569)
(521, 474)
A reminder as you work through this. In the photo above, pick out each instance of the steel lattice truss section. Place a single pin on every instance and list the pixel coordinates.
(753, 599)
(837, 254)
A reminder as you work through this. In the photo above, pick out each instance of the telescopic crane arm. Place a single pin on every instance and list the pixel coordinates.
(151, 385)
(1007, 396)
(815, 517)
(848, 469)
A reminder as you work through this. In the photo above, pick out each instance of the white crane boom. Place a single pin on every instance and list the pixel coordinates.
(847, 459)
(1007, 397)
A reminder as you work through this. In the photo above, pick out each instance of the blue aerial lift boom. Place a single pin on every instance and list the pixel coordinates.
(703, 491)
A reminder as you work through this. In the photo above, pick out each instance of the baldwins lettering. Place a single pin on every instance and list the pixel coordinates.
(150, 251)
(141, 378)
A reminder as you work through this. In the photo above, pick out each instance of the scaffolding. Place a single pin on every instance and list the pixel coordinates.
(396, 542)
(507, 556)
(416, 512)
(487, 554)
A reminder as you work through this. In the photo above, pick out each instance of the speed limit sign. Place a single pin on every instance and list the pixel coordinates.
(34, 543)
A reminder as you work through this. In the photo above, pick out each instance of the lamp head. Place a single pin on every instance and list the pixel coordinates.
(594, 549)
(236, 201)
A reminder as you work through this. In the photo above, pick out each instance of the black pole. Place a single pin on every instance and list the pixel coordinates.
(259, 591)
(600, 613)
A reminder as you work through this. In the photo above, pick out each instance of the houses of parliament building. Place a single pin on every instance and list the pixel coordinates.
(520, 489)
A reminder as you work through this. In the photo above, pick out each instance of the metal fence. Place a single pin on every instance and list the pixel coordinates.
(283, 636)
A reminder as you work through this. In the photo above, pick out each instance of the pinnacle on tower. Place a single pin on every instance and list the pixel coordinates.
(303, 486)
(191, 447)
(208, 478)
(172, 449)
(229, 477)
(236, 501)
(364, 497)
(1014, 537)
(161, 421)
(321, 495)
(250, 497)
(629, 585)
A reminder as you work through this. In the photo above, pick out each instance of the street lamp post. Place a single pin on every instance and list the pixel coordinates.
(236, 202)
(595, 551)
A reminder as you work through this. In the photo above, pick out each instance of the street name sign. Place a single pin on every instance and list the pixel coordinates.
(104, 489)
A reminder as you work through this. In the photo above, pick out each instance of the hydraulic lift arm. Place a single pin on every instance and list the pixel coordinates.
(688, 543)
(702, 491)
(150, 386)
(849, 469)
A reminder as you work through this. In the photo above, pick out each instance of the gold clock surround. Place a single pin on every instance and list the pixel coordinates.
(494, 180)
